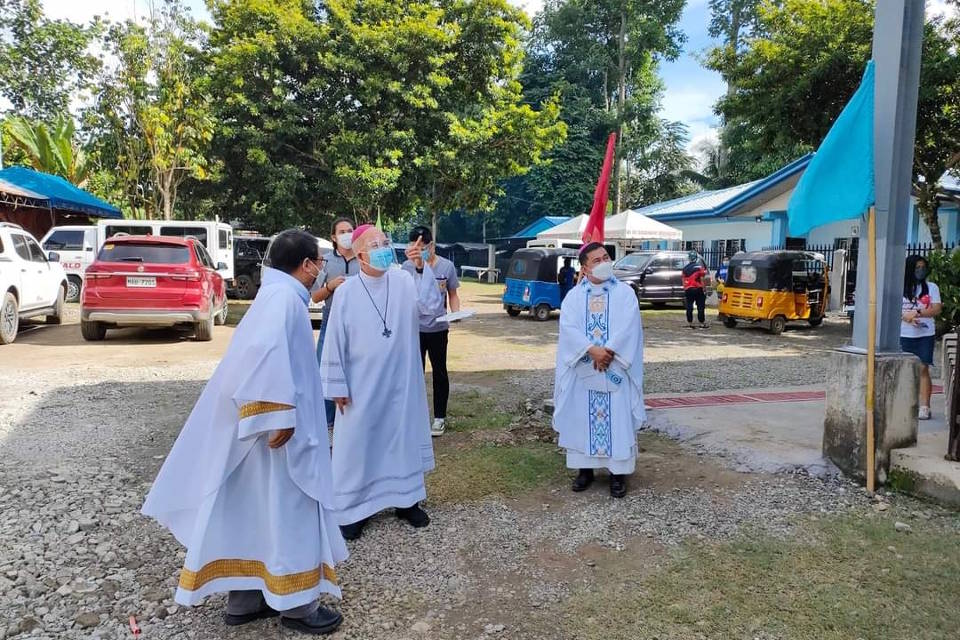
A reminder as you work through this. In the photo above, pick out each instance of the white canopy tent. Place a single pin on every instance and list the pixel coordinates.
(624, 232)
(572, 229)
(629, 226)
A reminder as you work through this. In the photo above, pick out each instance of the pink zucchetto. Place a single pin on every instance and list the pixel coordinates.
(359, 231)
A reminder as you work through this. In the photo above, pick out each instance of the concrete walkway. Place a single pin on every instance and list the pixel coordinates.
(781, 429)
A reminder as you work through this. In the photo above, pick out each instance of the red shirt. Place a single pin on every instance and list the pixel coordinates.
(693, 276)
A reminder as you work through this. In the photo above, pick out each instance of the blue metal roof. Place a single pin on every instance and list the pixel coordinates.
(539, 225)
(709, 204)
(60, 193)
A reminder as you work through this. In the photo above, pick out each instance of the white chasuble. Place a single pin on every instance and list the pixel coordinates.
(598, 414)
(252, 517)
(371, 355)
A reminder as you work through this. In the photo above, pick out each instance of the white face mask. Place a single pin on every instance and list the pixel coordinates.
(345, 241)
(602, 271)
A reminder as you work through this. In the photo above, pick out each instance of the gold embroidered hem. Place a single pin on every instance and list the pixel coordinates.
(252, 409)
(280, 585)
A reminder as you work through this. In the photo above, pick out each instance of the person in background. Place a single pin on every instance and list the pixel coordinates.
(566, 278)
(722, 271)
(694, 290)
(918, 330)
(247, 487)
(598, 385)
(341, 262)
(434, 334)
(722, 278)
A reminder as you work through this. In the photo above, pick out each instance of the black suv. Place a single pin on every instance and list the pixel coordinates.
(248, 253)
(656, 276)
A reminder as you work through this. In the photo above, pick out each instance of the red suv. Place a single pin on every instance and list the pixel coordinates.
(152, 281)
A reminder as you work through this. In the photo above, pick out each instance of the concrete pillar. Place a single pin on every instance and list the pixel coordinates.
(778, 227)
(837, 277)
(896, 405)
(894, 129)
(491, 262)
(951, 230)
(897, 40)
(913, 231)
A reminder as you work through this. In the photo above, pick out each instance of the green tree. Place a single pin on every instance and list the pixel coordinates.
(812, 53)
(614, 47)
(482, 131)
(51, 148)
(368, 106)
(662, 170)
(153, 119)
(44, 63)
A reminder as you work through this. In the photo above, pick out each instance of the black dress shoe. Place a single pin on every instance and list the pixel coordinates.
(618, 486)
(353, 531)
(416, 516)
(583, 480)
(320, 622)
(235, 620)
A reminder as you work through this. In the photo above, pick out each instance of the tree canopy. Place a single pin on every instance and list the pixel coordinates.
(813, 52)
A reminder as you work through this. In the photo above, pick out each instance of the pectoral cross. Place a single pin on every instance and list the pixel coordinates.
(387, 332)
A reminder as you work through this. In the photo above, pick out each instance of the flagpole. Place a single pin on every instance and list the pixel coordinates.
(871, 346)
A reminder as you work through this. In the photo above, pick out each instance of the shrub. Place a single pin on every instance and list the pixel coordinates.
(945, 272)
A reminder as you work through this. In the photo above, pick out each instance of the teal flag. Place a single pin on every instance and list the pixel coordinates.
(839, 182)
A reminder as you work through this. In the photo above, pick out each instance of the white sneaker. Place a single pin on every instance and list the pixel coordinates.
(924, 413)
(438, 427)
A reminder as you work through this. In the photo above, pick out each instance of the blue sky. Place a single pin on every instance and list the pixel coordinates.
(690, 89)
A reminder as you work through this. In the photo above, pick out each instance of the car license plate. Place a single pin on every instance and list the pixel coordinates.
(141, 283)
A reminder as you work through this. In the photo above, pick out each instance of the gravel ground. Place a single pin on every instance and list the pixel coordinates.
(79, 450)
(79, 446)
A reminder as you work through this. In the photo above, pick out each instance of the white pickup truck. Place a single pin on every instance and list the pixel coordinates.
(32, 283)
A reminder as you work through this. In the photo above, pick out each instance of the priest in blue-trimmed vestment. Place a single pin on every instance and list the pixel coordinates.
(598, 389)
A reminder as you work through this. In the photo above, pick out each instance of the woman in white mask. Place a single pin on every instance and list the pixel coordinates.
(341, 263)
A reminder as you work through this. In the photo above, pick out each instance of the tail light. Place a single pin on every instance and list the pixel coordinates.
(189, 276)
(97, 275)
(759, 302)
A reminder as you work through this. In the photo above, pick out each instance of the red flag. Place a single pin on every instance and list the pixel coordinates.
(594, 229)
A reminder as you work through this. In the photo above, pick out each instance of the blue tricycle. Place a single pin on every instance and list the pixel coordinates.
(532, 281)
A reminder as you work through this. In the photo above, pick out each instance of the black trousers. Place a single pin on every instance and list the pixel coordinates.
(696, 295)
(435, 344)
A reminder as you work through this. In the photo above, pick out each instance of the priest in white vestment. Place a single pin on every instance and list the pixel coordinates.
(598, 389)
(247, 487)
(371, 369)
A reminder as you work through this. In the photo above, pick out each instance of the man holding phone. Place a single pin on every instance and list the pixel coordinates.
(433, 333)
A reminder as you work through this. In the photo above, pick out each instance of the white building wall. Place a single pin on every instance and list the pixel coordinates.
(829, 232)
(757, 234)
(923, 231)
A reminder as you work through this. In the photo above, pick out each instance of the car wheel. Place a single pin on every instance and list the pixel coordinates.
(92, 331)
(221, 318)
(777, 325)
(513, 312)
(730, 323)
(57, 317)
(203, 330)
(9, 318)
(246, 289)
(74, 287)
(542, 312)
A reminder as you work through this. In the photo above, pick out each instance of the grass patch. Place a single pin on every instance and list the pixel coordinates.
(838, 580)
(486, 470)
(472, 411)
